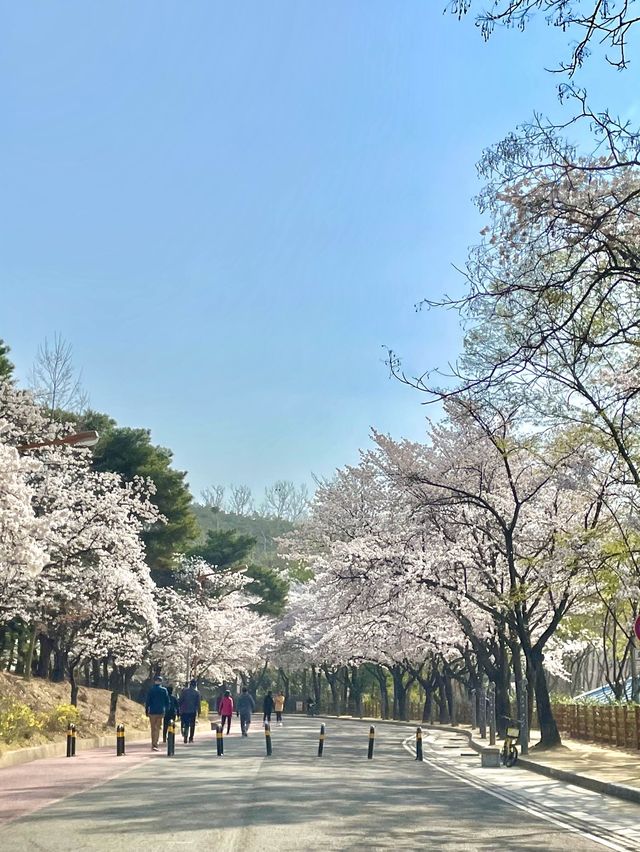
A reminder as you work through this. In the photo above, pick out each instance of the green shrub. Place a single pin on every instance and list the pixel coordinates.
(58, 719)
(18, 722)
(204, 707)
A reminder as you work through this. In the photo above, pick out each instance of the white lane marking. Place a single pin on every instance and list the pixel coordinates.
(505, 797)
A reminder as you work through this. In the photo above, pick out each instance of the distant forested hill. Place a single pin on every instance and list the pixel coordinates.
(264, 530)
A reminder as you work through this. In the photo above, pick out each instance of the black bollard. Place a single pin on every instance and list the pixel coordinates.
(219, 741)
(171, 738)
(372, 736)
(119, 740)
(418, 743)
(70, 738)
(321, 742)
(267, 738)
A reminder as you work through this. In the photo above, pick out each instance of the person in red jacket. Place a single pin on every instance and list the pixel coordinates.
(226, 709)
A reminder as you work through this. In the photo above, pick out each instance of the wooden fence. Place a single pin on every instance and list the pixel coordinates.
(600, 723)
(371, 707)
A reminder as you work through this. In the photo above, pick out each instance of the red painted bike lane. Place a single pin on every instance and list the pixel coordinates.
(30, 786)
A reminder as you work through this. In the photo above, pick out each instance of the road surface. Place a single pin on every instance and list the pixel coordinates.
(295, 801)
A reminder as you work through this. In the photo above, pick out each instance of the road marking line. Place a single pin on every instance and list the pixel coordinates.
(510, 800)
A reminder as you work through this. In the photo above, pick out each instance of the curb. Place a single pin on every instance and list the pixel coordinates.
(606, 788)
(587, 782)
(26, 755)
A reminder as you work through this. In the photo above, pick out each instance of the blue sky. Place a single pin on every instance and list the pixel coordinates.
(229, 208)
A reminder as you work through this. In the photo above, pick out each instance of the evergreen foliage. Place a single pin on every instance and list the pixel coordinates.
(130, 453)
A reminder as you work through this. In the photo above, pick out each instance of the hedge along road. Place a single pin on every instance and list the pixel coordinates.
(293, 800)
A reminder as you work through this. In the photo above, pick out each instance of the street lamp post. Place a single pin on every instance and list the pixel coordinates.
(77, 439)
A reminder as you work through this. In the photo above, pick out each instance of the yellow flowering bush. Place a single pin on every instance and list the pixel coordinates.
(60, 717)
(204, 708)
(18, 721)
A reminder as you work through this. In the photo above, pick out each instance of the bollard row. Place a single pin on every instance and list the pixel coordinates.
(171, 741)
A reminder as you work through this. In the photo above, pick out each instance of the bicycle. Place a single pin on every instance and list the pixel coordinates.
(509, 754)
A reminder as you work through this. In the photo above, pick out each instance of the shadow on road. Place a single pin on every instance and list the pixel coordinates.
(343, 801)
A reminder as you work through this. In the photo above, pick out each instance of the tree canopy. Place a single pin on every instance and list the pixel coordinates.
(130, 453)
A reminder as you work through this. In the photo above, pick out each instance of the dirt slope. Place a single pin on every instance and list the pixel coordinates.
(93, 704)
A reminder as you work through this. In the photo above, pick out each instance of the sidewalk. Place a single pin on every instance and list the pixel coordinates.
(27, 787)
(12, 757)
(611, 771)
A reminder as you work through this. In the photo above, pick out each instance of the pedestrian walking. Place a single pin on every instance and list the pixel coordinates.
(155, 707)
(219, 703)
(170, 715)
(245, 705)
(267, 707)
(279, 706)
(189, 707)
(226, 709)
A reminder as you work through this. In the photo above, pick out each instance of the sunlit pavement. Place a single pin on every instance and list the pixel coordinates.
(295, 801)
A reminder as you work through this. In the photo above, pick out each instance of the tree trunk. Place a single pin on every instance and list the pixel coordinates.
(400, 689)
(59, 665)
(127, 678)
(441, 698)
(356, 691)
(427, 709)
(315, 681)
(74, 685)
(113, 706)
(503, 706)
(549, 733)
(286, 682)
(448, 691)
(345, 689)
(11, 645)
(44, 657)
(332, 680)
(381, 677)
(28, 663)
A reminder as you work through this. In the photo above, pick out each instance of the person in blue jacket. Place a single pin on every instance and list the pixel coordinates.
(156, 705)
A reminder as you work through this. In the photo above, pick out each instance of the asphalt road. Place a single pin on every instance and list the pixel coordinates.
(294, 801)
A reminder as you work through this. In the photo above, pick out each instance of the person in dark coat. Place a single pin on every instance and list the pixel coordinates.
(245, 705)
(189, 707)
(267, 708)
(155, 707)
(170, 715)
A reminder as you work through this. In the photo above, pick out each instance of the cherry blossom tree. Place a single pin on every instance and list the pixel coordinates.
(206, 627)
